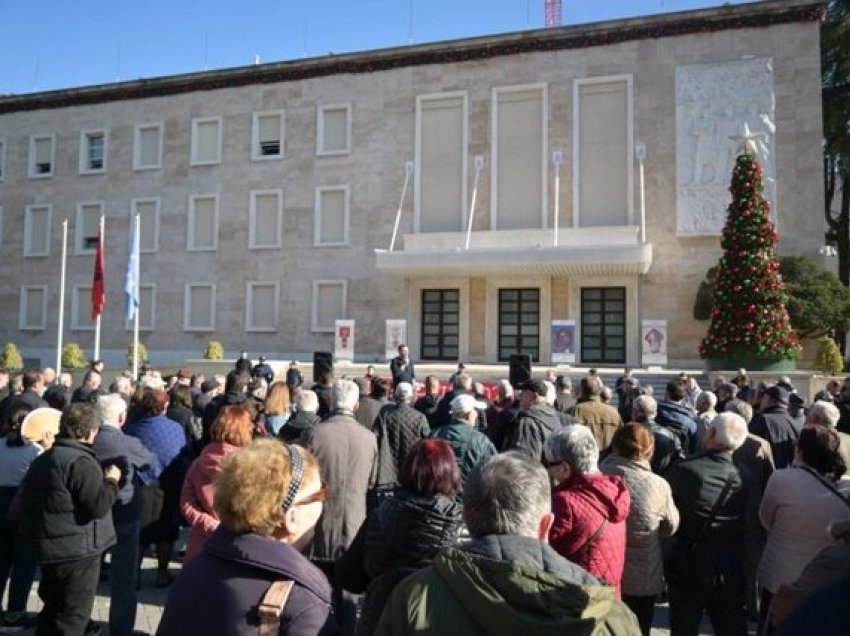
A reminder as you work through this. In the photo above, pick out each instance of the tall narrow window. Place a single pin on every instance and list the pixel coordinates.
(330, 301)
(267, 136)
(602, 174)
(519, 323)
(206, 141)
(42, 156)
(199, 307)
(33, 308)
(202, 235)
(440, 183)
(92, 151)
(440, 324)
(333, 129)
(37, 230)
(147, 149)
(261, 306)
(266, 219)
(87, 226)
(519, 165)
(331, 227)
(603, 325)
(148, 211)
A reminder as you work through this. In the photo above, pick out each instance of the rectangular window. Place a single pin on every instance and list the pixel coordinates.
(330, 302)
(332, 215)
(440, 324)
(267, 135)
(148, 211)
(87, 226)
(147, 147)
(202, 234)
(147, 309)
(440, 183)
(42, 156)
(92, 151)
(261, 306)
(2, 159)
(266, 219)
(333, 135)
(603, 152)
(519, 323)
(81, 319)
(206, 141)
(199, 307)
(37, 221)
(603, 325)
(518, 188)
(33, 308)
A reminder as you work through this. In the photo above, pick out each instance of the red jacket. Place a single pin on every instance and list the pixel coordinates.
(580, 506)
(196, 499)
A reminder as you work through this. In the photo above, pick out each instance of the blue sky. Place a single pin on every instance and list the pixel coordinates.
(51, 44)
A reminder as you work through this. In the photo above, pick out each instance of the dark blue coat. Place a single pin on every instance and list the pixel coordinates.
(112, 446)
(219, 590)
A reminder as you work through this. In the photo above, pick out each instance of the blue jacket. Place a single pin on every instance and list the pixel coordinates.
(111, 446)
(681, 421)
(165, 438)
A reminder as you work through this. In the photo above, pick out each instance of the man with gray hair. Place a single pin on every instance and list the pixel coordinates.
(397, 428)
(111, 446)
(825, 414)
(347, 453)
(706, 571)
(506, 579)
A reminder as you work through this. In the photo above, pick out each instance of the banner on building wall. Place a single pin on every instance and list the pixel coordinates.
(562, 341)
(653, 342)
(344, 341)
(396, 335)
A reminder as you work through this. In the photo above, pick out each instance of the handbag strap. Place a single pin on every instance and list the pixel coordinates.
(826, 484)
(589, 543)
(271, 606)
(721, 498)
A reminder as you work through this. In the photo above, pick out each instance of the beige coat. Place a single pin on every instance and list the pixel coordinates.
(797, 509)
(602, 419)
(653, 515)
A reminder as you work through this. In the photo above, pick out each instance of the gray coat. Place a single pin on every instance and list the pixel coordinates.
(347, 454)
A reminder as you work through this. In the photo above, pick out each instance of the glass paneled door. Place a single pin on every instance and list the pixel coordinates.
(603, 325)
(519, 323)
(440, 324)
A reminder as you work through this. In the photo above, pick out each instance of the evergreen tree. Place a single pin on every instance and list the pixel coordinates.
(749, 319)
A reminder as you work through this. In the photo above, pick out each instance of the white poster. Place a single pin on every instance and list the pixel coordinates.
(653, 342)
(396, 335)
(562, 341)
(344, 341)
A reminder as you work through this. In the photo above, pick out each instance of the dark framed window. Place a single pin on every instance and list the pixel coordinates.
(440, 324)
(519, 323)
(603, 325)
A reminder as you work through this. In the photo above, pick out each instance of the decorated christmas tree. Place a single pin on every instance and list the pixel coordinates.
(749, 321)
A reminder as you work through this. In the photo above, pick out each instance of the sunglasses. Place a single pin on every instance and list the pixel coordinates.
(319, 496)
(548, 464)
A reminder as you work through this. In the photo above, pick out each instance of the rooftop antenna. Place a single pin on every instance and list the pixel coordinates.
(206, 51)
(553, 13)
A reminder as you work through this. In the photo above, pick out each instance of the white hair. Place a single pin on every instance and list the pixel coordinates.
(644, 407)
(506, 390)
(730, 430)
(110, 408)
(66, 379)
(551, 394)
(825, 413)
(576, 446)
(404, 392)
(344, 395)
(708, 398)
(307, 400)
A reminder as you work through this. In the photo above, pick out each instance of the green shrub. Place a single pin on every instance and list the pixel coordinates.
(11, 358)
(214, 351)
(828, 357)
(73, 357)
(143, 353)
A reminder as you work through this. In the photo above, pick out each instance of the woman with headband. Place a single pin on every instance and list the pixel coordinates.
(250, 577)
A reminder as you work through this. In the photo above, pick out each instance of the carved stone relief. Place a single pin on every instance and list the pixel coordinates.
(713, 102)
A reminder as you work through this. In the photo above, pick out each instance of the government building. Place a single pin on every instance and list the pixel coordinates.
(478, 189)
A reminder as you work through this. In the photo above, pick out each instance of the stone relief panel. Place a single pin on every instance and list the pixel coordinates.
(713, 102)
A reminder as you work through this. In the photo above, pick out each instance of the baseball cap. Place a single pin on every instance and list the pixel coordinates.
(536, 386)
(778, 393)
(209, 385)
(466, 403)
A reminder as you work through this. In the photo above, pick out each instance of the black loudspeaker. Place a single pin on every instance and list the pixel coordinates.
(520, 369)
(323, 365)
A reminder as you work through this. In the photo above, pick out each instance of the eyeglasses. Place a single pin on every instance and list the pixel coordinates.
(548, 464)
(319, 496)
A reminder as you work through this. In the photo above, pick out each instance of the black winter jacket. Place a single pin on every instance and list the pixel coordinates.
(398, 427)
(775, 425)
(66, 505)
(531, 428)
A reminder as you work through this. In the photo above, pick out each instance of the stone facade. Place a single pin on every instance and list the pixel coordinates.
(383, 130)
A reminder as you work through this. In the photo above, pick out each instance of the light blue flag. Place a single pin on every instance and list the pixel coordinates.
(131, 282)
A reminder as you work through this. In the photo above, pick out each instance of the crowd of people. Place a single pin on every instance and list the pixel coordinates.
(374, 505)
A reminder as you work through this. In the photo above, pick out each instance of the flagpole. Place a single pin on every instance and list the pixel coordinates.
(100, 239)
(60, 330)
(136, 313)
